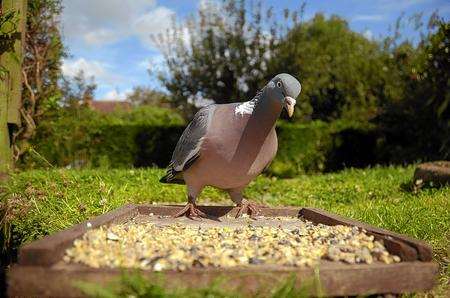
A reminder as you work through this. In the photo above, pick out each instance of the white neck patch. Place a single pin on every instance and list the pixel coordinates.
(245, 108)
(249, 106)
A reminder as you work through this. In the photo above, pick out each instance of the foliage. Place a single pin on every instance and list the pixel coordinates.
(341, 71)
(77, 91)
(147, 135)
(434, 71)
(236, 47)
(302, 149)
(319, 146)
(41, 68)
(222, 54)
(400, 87)
(142, 95)
(417, 125)
(41, 202)
(85, 138)
(130, 284)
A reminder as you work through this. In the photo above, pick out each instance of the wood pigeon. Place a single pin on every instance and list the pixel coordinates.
(227, 145)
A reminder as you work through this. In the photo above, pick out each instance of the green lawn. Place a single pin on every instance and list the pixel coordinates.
(42, 202)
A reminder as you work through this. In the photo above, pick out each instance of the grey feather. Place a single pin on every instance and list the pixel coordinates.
(291, 85)
(188, 147)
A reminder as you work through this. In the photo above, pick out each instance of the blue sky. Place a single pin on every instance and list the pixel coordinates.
(110, 39)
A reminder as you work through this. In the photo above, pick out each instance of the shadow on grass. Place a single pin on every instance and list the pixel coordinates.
(407, 186)
(414, 187)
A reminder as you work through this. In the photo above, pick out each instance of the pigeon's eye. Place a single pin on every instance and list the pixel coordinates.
(279, 84)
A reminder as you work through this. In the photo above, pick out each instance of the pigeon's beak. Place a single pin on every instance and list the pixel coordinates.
(289, 104)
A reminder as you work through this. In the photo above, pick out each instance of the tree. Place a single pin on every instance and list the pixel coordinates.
(41, 67)
(77, 91)
(233, 50)
(417, 125)
(142, 95)
(433, 73)
(342, 72)
(223, 55)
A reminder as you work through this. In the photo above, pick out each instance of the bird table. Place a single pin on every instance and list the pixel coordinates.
(46, 268)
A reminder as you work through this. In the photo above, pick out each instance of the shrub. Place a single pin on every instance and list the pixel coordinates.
(418, 126)
(302, 148)
(146, 137)
(319, 146)
(84, 138)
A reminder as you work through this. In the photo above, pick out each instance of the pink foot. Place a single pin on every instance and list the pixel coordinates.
(190, 211)
(247, 207)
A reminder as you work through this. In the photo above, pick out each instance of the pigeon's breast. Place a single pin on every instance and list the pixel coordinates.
(235, 149)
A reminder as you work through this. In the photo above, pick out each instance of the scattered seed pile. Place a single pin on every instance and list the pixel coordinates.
(178, 246)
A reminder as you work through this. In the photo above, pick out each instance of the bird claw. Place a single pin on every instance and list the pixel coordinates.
(247, 207)
(190, 211)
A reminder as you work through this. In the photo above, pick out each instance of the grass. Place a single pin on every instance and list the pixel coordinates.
(134, 284)
(40, 202)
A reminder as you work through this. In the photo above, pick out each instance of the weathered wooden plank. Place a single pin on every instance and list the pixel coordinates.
(11, 84)
(407, 248)
(41, 272)
(5, 150)
(332, 280)
(13, 61)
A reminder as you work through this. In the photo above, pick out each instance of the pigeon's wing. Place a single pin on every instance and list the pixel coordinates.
(188, 146)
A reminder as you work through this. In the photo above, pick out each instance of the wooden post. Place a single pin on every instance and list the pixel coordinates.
(11, 83)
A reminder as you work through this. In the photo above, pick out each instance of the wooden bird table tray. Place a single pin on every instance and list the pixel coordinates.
(41, 271)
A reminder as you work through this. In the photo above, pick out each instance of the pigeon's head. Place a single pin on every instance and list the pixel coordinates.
(284, 89)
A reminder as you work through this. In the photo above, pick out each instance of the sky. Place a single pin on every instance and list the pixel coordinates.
(110, 39)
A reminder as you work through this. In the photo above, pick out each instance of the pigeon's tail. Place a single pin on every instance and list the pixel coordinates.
(172, 177)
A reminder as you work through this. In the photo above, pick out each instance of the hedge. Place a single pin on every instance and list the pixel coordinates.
(147, 136)
(89, 139)
(321, 147)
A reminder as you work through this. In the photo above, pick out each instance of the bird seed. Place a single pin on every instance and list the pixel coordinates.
(180, 246)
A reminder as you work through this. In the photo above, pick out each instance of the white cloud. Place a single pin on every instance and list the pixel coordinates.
(154, 63)
(397, 5)
(368, 34)
(368, 17)
(145, 64)
(154, 22)
(102, 22)
(116, 95)
(97, 69)
(91, 68)
(100, 37)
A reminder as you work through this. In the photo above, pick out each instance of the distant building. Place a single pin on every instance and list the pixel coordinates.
(108, 106)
